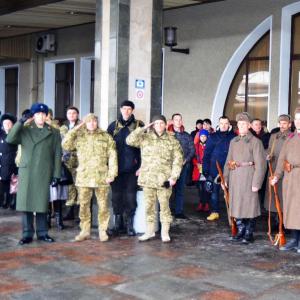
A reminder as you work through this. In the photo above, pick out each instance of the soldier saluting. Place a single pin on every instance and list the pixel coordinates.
(289, 165)
(161, 164)
(244, 172)
(97, 168)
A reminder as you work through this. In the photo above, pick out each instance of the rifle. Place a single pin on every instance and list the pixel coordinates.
(279, 239)
(231, 220)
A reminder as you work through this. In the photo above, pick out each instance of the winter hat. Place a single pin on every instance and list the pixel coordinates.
(39, 107)
(159, 117)
(8, 116)
(127, 103)
(203, 132)
(90, 117)
(244, 116)
(284, 117)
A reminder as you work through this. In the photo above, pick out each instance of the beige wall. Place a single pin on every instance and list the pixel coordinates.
(213, 32)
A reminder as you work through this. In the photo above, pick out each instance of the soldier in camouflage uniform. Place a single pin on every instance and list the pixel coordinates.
(97, 168)
(162, 160)
(70, 160)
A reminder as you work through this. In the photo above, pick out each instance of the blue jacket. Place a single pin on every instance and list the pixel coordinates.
(187, 144)
(217, 147)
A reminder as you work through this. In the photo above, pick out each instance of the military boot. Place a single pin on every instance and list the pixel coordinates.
(165, 237)
(292, 243)
(58, 214)
(129, 223)
(248, 237)
(103, 236)
(118, 224)
(83, 235)
(241, 231)
(149, 234)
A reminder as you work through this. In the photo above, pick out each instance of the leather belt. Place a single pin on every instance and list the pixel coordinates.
(232, 165)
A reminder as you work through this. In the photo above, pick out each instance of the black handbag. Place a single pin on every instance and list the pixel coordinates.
(66, 177)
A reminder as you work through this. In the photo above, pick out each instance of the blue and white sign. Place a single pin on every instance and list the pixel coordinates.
(139, 84)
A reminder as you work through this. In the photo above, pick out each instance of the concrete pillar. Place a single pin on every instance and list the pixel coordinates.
(145, 57)
(111, 57)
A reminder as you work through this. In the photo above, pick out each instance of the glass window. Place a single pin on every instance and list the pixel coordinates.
(250, 87)
(294, 100)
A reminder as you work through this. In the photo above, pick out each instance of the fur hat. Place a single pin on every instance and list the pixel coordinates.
(284, 117)
(127, 103)
(8, 116)
(244, 116)
(39, 107)
(90, 117)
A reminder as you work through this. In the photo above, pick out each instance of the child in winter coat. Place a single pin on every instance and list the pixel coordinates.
(198, 177)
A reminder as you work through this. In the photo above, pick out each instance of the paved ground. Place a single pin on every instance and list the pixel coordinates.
(200, 263)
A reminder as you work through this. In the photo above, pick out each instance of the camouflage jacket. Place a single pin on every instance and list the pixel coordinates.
(162, 157)
(69, 157)
(97, 156)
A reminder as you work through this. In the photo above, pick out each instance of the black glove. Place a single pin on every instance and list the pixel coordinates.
(54, 182)
(25, 117)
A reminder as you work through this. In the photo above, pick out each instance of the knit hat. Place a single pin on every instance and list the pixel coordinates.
(284, 117)
(244, 116)
(39, 107)
(8, 116)
(203, 132)
(159, 117)
(127, 103)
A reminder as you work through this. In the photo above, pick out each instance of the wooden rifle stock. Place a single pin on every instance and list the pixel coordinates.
(279, 237)
(231, 220)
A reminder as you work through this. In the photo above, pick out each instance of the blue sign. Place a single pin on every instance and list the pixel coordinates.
(139, 84)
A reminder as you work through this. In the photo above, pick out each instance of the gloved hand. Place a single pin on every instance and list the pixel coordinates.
(25, 117)
(54, 182)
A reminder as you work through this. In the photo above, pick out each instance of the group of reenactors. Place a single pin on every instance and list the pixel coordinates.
(130, 154)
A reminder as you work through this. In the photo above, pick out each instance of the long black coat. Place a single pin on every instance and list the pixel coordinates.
(7, 158)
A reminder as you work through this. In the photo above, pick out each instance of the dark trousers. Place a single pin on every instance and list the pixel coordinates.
(124, 189)
(203, 194)
(179, 190)
(214, 198)
(4, 192)
(28, 227)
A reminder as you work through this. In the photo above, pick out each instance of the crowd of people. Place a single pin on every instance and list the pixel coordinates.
(64, 165)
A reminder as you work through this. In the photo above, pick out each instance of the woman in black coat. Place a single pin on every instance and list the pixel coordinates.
(7, 161)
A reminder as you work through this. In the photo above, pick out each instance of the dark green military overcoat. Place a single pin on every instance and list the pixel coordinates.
(40, 162)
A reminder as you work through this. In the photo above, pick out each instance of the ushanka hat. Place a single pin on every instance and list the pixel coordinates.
(244, 116)
(39, 107)
(284, 117)
(8, 116)
(127, 103)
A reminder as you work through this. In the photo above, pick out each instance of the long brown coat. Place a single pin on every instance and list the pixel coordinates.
(243, 202)
(275, 144)
(291, 181)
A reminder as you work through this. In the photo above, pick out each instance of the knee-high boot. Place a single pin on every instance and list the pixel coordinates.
(58, 214)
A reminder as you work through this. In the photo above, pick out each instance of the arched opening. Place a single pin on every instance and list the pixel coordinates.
(249, 90)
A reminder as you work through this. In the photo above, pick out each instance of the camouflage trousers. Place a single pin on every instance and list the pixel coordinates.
(72, 194)
(85, 196)
(151, 195)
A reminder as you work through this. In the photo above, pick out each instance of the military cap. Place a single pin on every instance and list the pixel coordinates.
(90, 117)
(284, 117)
(159, 117)
(297, 110)
(127, 103)
(39, 107)
(8, 116)
(244, 116)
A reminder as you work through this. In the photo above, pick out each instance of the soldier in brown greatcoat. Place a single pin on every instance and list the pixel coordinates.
(289, 166)
(244, 173)
(276, 142)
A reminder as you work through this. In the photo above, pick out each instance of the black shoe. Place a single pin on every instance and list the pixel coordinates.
(26, 240)
(290, 245)
(241, 231)
(46, 238)
(180, 216)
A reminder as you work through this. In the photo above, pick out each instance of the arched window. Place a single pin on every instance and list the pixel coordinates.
(294, 96)
(250, 87)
